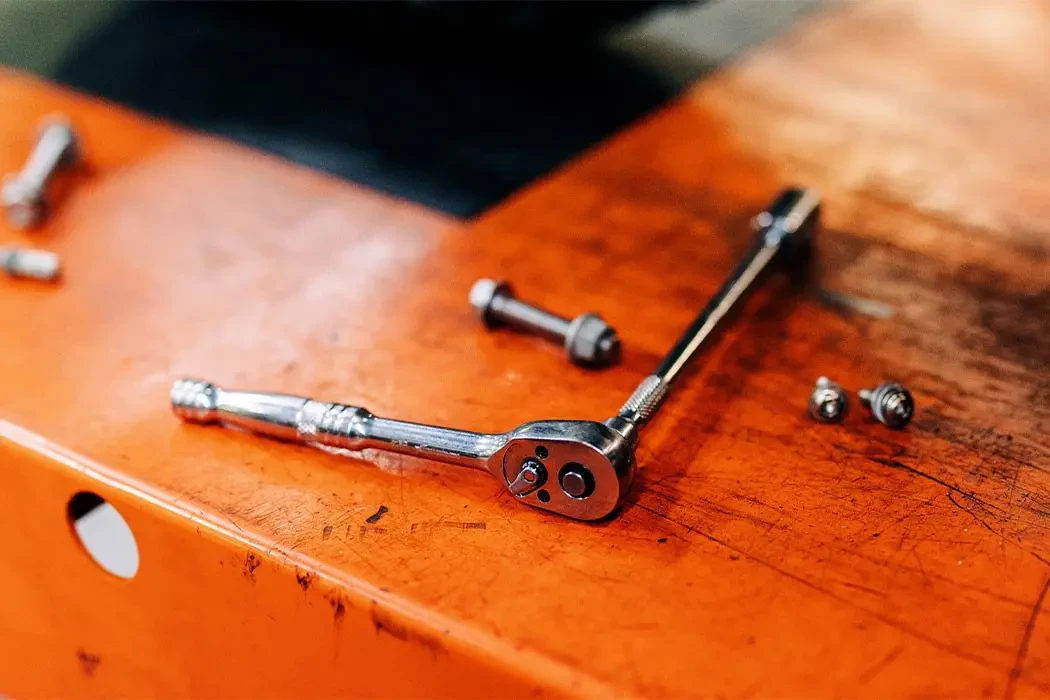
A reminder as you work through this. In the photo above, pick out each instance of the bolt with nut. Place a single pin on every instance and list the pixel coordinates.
(25, 193)
(587, 339)
(890, 403)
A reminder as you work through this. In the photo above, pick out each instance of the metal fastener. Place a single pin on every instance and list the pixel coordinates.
(30, 263)
(587, 339)
(828, 403)
(25, 192)
(890, 403)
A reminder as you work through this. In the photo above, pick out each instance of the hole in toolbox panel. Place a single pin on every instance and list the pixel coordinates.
(104, 534)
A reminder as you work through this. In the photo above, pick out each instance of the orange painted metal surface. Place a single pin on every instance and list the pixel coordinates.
(760, 554)
(215, 610)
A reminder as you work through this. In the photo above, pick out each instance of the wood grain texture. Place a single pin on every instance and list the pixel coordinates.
(760, 554)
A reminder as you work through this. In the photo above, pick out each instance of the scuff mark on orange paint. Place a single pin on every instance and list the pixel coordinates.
(251, 563)
(375, 517)
(385, 624)
(88, 662)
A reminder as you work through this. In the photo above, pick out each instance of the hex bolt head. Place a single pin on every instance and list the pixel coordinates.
(591, 341)
(890, 403)
(483, 293)
(828, 403)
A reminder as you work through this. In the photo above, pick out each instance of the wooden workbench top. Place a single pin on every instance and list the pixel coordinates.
(760, 554)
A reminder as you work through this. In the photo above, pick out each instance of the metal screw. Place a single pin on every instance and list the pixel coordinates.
(890, 403)
(588, 339)
(33, 264)
(828, 403)
(25, 193)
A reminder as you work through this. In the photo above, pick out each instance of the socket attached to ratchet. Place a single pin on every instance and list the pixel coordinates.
(576, 468)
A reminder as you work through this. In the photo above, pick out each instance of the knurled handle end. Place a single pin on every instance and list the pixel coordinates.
(195, 400)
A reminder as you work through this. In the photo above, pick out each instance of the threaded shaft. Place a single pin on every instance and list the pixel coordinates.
(518, 314)
(645, 400)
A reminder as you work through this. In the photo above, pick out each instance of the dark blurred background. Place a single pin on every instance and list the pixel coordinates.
(451, 105)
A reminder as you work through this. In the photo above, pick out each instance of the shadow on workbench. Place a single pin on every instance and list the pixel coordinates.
(452, 108)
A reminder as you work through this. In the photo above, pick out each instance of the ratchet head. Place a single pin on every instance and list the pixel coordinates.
(580, 469)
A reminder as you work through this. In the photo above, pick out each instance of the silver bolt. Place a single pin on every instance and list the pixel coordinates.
(25, 193)
(532, 476)
(587, 339)
(33, 264)
(890, 403)
(828, 403)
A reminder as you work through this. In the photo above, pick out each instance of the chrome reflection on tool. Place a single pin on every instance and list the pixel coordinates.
(594, 462)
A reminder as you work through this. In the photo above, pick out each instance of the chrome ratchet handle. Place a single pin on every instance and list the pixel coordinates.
(303, 420)
(580, 469)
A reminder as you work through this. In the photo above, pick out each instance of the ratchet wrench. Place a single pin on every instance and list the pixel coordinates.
(580, 469)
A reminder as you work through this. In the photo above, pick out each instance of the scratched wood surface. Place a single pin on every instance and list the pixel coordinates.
(759, 554)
